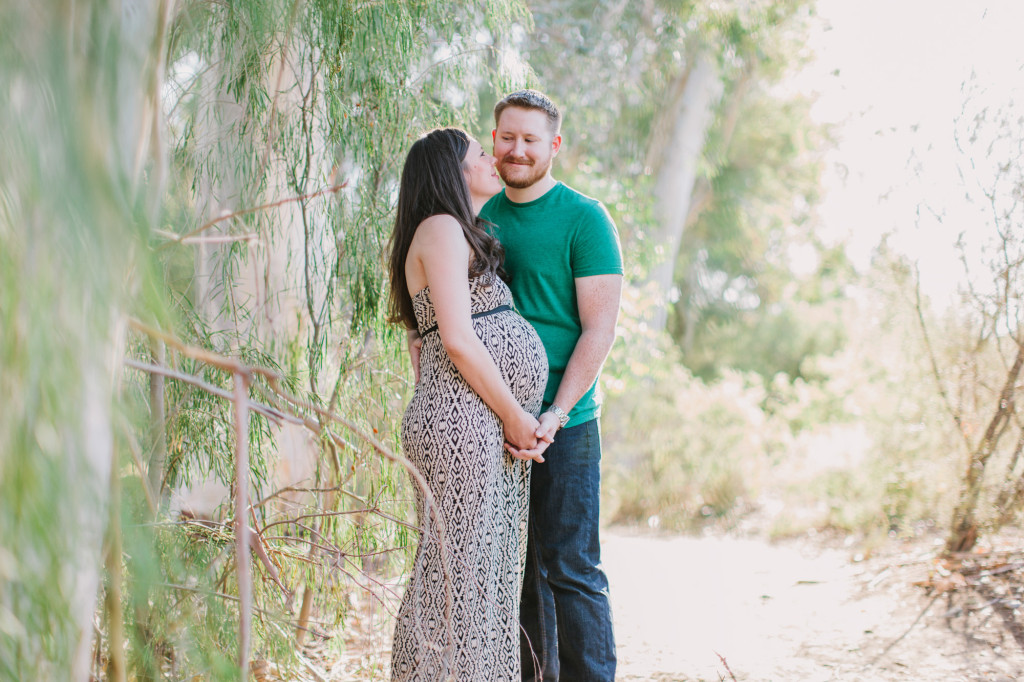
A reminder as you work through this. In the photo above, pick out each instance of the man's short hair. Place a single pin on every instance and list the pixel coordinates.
(531, 99)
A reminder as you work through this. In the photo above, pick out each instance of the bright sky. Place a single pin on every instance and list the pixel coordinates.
(890, 73)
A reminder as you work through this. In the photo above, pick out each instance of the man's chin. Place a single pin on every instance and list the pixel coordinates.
(520, 181)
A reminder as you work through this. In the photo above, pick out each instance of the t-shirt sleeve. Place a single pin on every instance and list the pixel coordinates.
(595, 248)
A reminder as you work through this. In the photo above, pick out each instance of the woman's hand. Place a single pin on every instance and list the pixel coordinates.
(521, 429)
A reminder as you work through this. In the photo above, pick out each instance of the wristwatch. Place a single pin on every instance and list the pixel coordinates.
(560, 414)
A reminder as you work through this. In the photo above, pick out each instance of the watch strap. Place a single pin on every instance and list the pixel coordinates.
(560, 414)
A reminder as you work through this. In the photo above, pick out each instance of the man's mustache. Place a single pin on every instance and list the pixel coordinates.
(522, 161)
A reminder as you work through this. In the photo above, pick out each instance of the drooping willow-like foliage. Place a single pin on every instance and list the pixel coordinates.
(307, 109)
(188, 187)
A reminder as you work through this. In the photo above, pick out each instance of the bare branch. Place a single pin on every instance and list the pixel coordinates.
(243, 566)
(245, 211)
(936, 373)
(267, 411)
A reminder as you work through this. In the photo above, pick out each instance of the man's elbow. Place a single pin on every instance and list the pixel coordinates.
(602, 336)
(608, 340)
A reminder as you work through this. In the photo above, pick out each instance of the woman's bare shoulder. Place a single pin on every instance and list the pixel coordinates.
(442, 230)
(439, 225)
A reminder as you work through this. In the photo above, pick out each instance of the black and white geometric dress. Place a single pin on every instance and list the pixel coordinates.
(467, 628)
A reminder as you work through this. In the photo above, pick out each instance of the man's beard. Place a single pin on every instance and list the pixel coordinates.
(525, 177)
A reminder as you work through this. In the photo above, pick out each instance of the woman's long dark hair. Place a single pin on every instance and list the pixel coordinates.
(433, 184)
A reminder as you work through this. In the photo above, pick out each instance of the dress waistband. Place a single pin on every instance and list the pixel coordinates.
(492, 311)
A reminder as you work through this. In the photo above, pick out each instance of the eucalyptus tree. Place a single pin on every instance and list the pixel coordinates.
(75, 215)
(188, 187)
(289, 123)
(759, 289)
(671, 113)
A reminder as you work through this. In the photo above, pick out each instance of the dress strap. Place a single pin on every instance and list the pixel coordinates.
(492, 311)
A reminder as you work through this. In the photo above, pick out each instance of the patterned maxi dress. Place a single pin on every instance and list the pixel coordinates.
(482, 497)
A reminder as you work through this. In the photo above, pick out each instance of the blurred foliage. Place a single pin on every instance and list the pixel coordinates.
(757, 289)
(703, 453)
(71, 229)
(863, 448)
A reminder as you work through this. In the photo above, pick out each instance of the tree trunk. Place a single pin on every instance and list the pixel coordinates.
(964, 528)
(691, 115)
(90, 459)
(89, 466)
(690, 307)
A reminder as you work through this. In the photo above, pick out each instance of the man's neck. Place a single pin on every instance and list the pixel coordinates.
(534, 191)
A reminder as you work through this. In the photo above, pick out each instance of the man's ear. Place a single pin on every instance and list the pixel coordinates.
(556, 144)
(494, 137)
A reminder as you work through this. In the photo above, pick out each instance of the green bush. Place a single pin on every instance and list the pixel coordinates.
(681, 452)
(863, 448)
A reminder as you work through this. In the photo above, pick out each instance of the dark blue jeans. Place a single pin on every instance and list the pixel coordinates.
(565, 612)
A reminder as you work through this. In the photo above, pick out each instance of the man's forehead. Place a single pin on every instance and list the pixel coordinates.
(523, 118)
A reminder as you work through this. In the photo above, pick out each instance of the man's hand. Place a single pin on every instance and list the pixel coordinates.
(548, 427)
(414, 342)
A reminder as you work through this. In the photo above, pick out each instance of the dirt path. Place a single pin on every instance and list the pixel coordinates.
(795, 611)
(791, 612)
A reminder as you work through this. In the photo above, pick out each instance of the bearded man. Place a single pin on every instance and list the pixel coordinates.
(564, 263)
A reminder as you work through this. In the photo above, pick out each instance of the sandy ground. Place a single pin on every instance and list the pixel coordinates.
(804, 610)
(793, 611)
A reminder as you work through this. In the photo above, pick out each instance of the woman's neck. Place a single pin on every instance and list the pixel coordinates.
(478, 202)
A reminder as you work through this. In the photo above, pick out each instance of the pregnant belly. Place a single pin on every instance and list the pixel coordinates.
(519, 354)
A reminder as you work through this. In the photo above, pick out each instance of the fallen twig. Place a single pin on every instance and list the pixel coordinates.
(906, 632)
(727, 668)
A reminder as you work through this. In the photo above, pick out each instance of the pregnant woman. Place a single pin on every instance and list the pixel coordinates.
(482, 371)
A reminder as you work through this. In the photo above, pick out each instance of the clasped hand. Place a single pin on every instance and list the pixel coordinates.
(525, 440)
(531, 445)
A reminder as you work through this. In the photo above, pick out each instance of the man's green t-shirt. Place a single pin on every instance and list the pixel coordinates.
(549, 242)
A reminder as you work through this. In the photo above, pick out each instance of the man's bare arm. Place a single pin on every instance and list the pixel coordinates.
(598, 300)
